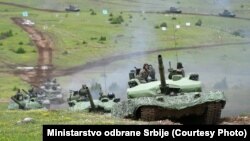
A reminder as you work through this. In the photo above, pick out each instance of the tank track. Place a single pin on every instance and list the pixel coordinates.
(207, 113)
(149, 113)
(213, 113)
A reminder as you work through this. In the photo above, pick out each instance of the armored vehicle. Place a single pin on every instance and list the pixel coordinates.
(179, 97)
(82, 100)
(227, 13)
(72, 8)
(173, 10)
(27, 102)
(51, 90)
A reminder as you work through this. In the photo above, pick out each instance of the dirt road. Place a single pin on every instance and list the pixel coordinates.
(44, 46)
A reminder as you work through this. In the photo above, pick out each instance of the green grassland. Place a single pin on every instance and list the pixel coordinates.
(9, 84)
(11, 131)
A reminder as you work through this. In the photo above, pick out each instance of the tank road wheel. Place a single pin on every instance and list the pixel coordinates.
(148, 113)
(213, 113)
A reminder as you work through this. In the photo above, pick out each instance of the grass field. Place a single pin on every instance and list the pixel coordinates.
(11, 131)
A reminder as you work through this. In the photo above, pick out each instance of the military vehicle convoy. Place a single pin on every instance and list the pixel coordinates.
(178, 97)
(72, 8)
(48, 93)
(82, 100)
(227, 13)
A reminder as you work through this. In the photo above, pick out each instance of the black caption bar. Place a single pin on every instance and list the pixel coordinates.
(52, 132)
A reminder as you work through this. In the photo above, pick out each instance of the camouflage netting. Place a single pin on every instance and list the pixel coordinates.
(127, 109)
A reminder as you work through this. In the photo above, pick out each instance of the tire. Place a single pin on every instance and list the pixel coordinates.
(213, 113)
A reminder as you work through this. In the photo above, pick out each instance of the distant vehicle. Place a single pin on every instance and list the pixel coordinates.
(27, 22)
(227, 13)
(72, 8)
(174, 10)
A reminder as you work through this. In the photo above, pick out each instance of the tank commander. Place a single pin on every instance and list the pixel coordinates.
(19, 95)
(152, 73)
(144, 73)
(32, 92)
(180, 69)
(83, 92)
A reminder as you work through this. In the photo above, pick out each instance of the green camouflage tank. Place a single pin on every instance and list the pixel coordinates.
(178, 97)
(82, 100)
(26, 102)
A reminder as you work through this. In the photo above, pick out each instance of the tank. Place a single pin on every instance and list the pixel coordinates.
(227, 13)
(173, 10)
(26, 102)
(179, 97)
(50, 90)
(82, 101)
(72, 8)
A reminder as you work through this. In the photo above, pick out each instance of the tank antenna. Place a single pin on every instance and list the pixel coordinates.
(105, 81)
(175, 43)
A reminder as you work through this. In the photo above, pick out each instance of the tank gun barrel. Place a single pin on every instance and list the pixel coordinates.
(90, 99)
(21, 106)
(163, 86)
(25, 91)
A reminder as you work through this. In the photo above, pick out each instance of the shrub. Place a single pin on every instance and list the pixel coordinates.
(238, 33)
(157, 26)
(1, 44)
(93, 38)
(15, 88)
(198, 23)
(163, 24)
(65, 52)
(5, 35)
(174, 18)
(20, 50)
(93, 13)
(117, 20)
(102, 38)
(20, 43)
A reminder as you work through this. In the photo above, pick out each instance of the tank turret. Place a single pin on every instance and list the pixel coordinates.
(227, 13)
(72, 8)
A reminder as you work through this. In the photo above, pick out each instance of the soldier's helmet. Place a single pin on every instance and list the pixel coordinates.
(179, 65)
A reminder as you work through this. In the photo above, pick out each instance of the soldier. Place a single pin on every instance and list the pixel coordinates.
(180, 69)
(19, 95)
(143, 75)
(83, 92)
(31, 92)
(152, 73)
